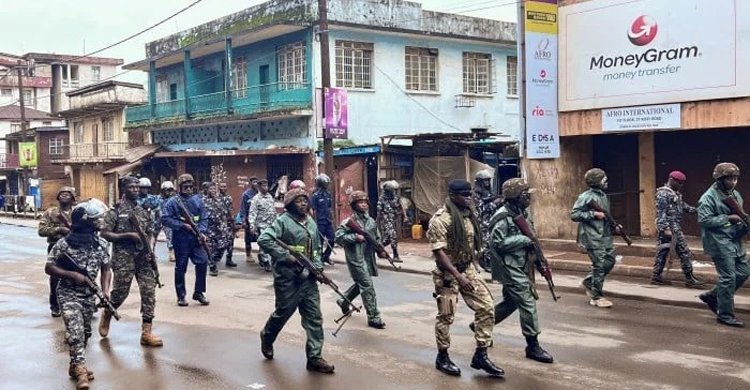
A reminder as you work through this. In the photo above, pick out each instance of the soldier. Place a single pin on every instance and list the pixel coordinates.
(669, 209)
(292, 289)
(130, 258)
(360, 258)
(186, 245)
(77, 299)
(216, 215)
(455, 237)
(53, 226)
(595, 234)
(167, 191)
(247, 197)
(261, 215)
(229, 230)
(322, 202)
(389, 212)
(485, 203)
(512, 267)
(722, 230)
(204, 188)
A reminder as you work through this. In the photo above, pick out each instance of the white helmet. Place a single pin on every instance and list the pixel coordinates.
(167, 185)
(322, 178)
(144, 182)
(91, 209)
(391, 185)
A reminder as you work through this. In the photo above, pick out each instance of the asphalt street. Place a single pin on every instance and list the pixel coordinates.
(635, 345)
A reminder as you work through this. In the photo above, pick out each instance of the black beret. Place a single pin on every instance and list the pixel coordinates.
(128, 180)
(458, 186)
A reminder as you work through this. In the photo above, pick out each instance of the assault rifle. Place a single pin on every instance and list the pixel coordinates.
(735, 208)
(307, 265)
(148, 249)
(540, 261)
(188, 218)
(371, 240)
(618, 228)
(67, 263)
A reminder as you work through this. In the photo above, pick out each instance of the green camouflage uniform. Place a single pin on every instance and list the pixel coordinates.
(511, 266)
(596, 236)
(360, 259)
(128, 258)
(723, 242)
(77, 301)
(479, 300)
(294, 289)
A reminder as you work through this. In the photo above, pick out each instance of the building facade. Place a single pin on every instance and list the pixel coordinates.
(645, 88)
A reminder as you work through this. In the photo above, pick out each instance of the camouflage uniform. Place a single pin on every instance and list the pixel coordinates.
(261, 214)
(390, 213)
(128, 258)
(217, 237)
(48, 227)
(479, 300)
(485, 209)
(229, 225)
(669, 209)
(78, 301)
(152, 204)
(167, 231)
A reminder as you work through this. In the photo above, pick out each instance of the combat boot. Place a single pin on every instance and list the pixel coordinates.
(213, 270)
(320, 365)
(692, 282)
(377, 323)
(444, 364)
(72, 373)
(658, 280)
(147, 338)
(81, 377)
(230, 263)
(344, 306)
(104, 323)
(170, 255)
(266, 348)
(481, 361)
(396, 258)
(709, 300)
(535, 352)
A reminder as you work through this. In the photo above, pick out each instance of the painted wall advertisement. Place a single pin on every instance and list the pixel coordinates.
(27, 156)
(336, 113)
(542, 132)
(622, 52)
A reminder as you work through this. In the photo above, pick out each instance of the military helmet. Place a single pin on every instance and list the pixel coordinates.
(594, 177)
(322, 179)
(725, 169)
(88, 211)
(512, 188)
(68, 189)
(144, 182)
(290, 196)
(128, 180)
(167, 185)
(184, 178)
(390, 185)
(483, 175)
(356, 196)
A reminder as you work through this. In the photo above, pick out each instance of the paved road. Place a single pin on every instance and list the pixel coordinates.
(636, 345)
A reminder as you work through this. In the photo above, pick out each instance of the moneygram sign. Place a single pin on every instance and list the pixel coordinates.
(622, 52)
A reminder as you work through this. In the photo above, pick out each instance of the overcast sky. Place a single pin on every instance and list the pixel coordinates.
(72, 26)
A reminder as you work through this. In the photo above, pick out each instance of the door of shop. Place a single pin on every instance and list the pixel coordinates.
(618, 156)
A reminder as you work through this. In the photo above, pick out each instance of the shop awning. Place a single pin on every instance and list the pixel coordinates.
(135, 157)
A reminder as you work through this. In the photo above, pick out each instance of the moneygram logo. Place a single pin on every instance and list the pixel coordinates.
(542, 79)
(643, 30)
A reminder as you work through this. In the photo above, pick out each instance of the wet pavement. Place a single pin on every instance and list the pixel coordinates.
(635, 345)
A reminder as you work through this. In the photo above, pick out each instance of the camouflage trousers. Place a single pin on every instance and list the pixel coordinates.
(388, 232)
(479, 300)
(663, 246)
(218, 244)
(76, 314)
(125, 266)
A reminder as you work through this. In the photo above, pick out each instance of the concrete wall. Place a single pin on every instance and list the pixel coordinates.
(388, 108)
(113, 94)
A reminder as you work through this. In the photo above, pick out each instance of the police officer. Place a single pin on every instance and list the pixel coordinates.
(669, 210)
(389, 213)
(360, 258)
(455, 239)
(722, 230)
(167, 191)
(247, 197)
(485, 203)
(53, 226)
(294, 289)
(130, 258)
(322, 203)
(512, 267)
(186, 245)
(216, 214)
(77, 299)
(261, 214)
(595, 234)
(229, 230)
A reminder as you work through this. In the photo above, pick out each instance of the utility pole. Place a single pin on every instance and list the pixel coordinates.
(19, 73)
(325, 80)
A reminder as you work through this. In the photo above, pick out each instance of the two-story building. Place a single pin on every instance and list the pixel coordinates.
(241, 95)
(97, 142)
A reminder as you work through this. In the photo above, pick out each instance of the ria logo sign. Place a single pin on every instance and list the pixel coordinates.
(643, 30)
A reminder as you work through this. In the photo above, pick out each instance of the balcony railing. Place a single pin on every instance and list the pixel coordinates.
(247, 101)
(100, 151)
(9, 160)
